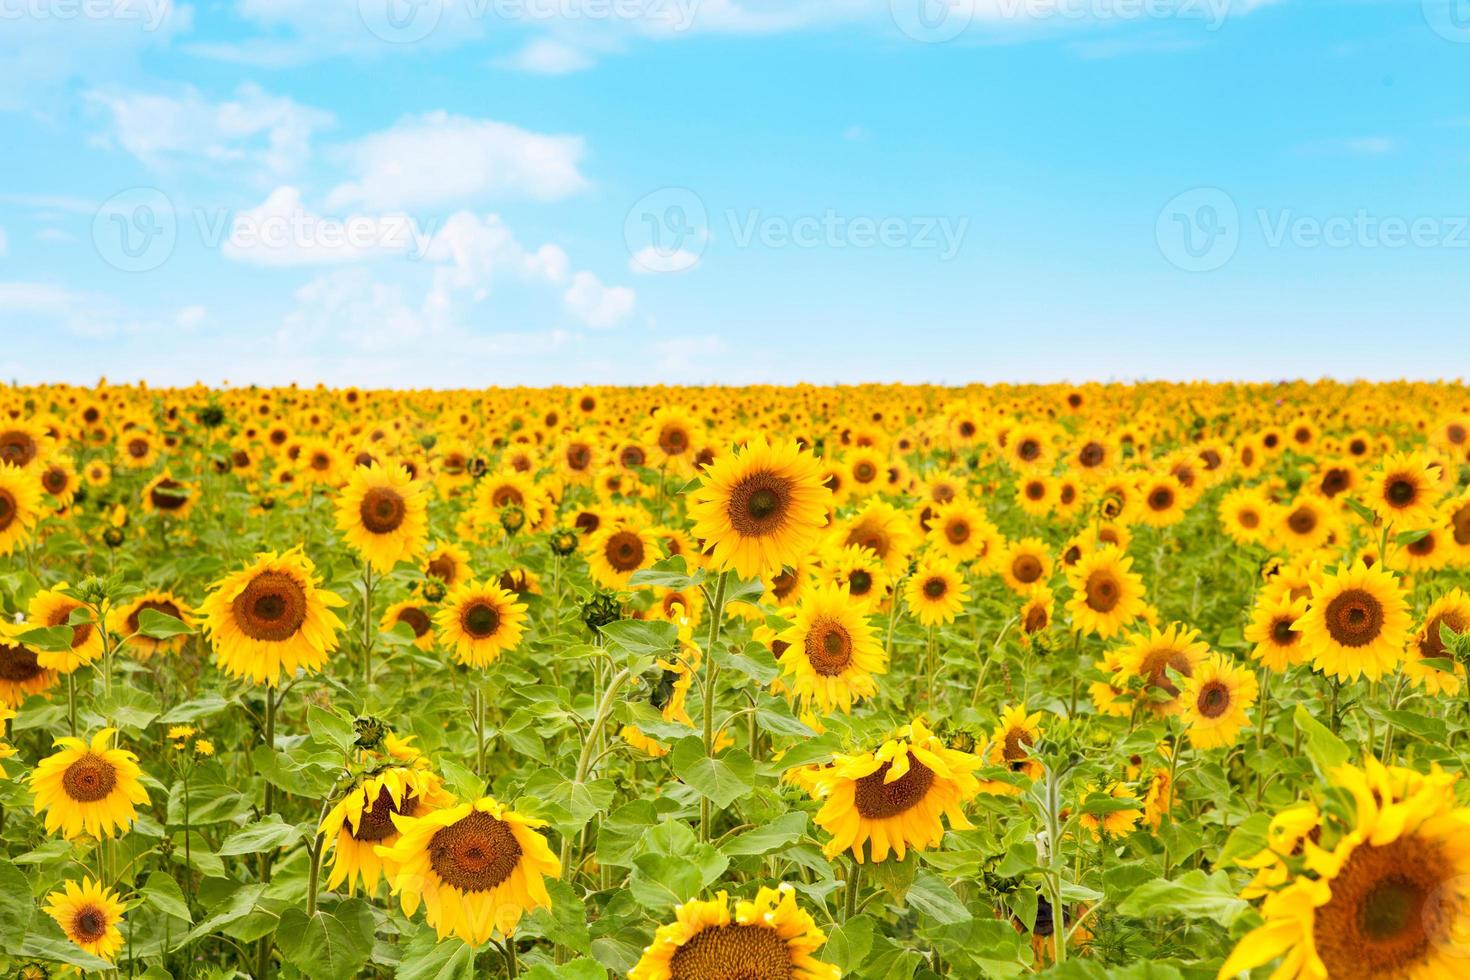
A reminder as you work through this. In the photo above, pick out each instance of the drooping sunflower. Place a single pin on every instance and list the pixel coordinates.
(270, 619)
(383, 514)
(20, 506)
(1106, 594)
(1216, 697)
(832, 652)
(21, 671)
(1452, 611)
(53, 607)
(88, 914)
(88, 788)
(476, 868)
(168, 497)
(760, 507)
(479, 623)
(1149, 657)
(1357, 623)
(618, 550)
(1025, 564)
(936, 592)
(1036, 614)
(768, 937)
(123, 621)
(1403, 491)
(1277, 645)
(362, 821)
(1010, 743)
(1387, 899)
(417, 615)
(894, 798)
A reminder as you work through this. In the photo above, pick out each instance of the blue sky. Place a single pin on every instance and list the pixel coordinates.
(473, 192)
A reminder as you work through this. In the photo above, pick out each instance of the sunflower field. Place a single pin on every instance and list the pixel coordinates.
(1138, 681)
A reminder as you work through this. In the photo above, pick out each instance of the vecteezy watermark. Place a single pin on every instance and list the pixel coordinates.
(932, 21)
(149, 13)
(136, 230)
(669, 230)
(1450, 19)
(935, 21)
(409, 21)
(1201, 229)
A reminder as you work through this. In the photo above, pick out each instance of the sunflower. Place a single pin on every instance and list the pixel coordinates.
(1403, 491)
(168, 497)
(882, 529)
(961, 532)
(866, 468)
(617, 551)
(1158, 799)
(270, 619)
(1216, 696)
(1247, 515)
(1388, 899)
(1149, 657)
(479, 623)
(416, 614)
(123, 621)
(1305, 524)
(1277, 645)
(20, 506)
(760, 507)
(1036, 613)
(476, 868)
(21, 671)
(1451, 611)
(97, 473)
(1106, 594)
(832, 652)
(24, 444)
(1429, 550)
(89, 915)
(382, 513)
(89, 789)
(1025, 564)
(1357, 623)
(936, 592)
(53, 607)
(1113, 823)
(859, 571)
(1011, 742)
(767, 937)
(1028, 448)
(363, 820)
(894, 798)
(319, 463)
(1036, 494)
(59, 480)
(449, 563)
(1164, 500)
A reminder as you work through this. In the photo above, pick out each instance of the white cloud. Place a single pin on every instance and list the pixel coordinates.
(190, 317)
(650, 260)
(282, 231)
(547, 57)
(55, 236)
(438, 159)
(597, 305)
(254, 127)
(84, 314)
(4, 244)
(687, 357)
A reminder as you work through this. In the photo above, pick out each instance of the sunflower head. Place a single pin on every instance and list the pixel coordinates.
(88, 788)
(89, 915)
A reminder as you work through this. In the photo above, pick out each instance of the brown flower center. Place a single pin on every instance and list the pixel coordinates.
(1430, 645)
(18, 664)
(168, 494)
(17, 447)
(732, 952)
(7, 509)
(758, 504)
(1354, 618)
(1385, 916)
(1213, 700)
(1091, 455)
(89, 924)
(876, 800)
(89, 779)
(1303, 520)
(624, 551)
(54, 480)
(475, 853)
(376, 822)
(1400, 491)
(935, 587)
(271, 608)
(441, 566)
(828, 647)
(416, 618)
(957, 532)
(1282, 633)
(1016, 752)
(382, 510)
(1026, 569)
(1103, 592)
(480, 619)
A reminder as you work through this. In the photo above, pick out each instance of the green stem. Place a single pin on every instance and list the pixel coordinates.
(711, 669)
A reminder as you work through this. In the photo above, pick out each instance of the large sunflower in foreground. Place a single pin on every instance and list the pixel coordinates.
(1385, 896)
(20, 503)
(1106, 594)
(1357, 623)
(831, 651)
(382, 514)
(88, 914)
(760, 507)
(362, 821)
(476, 868)
(768, 937)
(270, 619)
(894, 798)
(480, 622)
(88, 788)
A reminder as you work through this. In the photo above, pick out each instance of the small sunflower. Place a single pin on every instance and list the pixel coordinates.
(1036, 613)
(449, 563)
(53, 607)
(961, 531)
(1403, 491)
(1011, 742)
(479, 623)
(1452, 611)
(59, 480)
(20, 506)
(1149, 657)
(1106, 594)
(383, 515)
(476, 868)
(832, 652)
(89, 915)
(1216, 697)
(1113, 823)
(894, 798)
(1025, 564)
(123, 621)
(88, 788)
(363, 820)
(270, 619)
(417, 615)
(1357, 623)
(1277, 644)
(168, 497)
(618, 550)
(936, 592)
(859, 571)
(768, 937)
(760, 507)
(21, 671)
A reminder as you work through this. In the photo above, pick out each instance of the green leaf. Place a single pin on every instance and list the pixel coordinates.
(721, 780)
(241, 903)
(15, 906)
(755, 662)
(164, 894)
(57, 948)
(786, 829)
(930, 895)
(48, 639)
(161, 626)
(327, 945)
(750, 591)
(426, 958)
(849, 944)
(201, 707)
(642, 637)
(264, 835)
(331, 728)
(1364, 513)
(1324, 748)
(894, 876)
(670, 573)
(581, 968)
(674, 867)
(1192, 895)
(565, 923)
(1405, 538)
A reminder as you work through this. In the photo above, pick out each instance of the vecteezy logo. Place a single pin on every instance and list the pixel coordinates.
(932, 21)
(136, 230)
(666, 231)
(400, 21)
(1199, 230)
(1450, 19)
